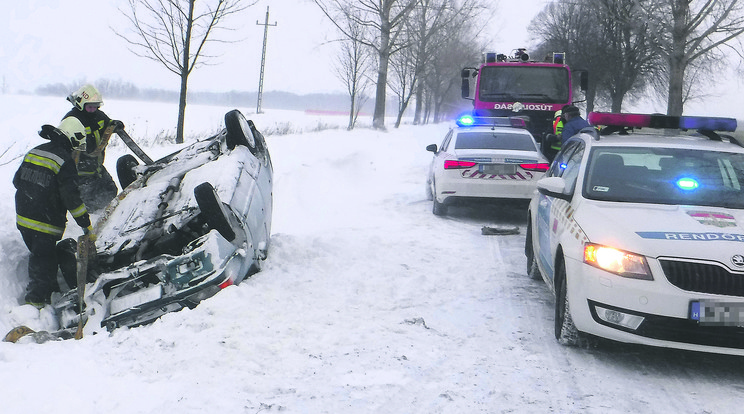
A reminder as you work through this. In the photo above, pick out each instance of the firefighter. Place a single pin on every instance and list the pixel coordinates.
(97, 187)
(46, 190)
(554, 140)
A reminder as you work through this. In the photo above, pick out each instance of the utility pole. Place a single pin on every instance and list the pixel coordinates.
(263, 59)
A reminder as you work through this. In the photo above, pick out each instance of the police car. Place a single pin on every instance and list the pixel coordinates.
(639, 232)
(484, 158)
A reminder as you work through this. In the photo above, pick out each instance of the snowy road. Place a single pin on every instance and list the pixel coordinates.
(368, 303)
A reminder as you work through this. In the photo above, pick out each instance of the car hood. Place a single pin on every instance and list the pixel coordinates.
(659, 230)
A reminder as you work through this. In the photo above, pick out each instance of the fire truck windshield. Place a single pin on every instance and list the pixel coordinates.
(537, 84)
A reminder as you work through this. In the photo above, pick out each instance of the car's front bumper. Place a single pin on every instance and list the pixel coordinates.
(602, 304)
(141, 293)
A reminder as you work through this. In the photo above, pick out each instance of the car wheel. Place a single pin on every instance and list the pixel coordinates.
(529, 251)
(125, 170)
(565, 330)
(239, 131)
(429, 191)
(213, 210)
(438, 208)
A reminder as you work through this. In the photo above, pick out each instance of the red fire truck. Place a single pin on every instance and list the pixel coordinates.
(517, 86)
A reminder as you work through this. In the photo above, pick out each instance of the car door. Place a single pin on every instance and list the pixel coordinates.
(548, 225)
(437, 161)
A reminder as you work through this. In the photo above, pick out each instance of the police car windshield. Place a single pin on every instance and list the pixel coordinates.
(494, 141)
(666, 176)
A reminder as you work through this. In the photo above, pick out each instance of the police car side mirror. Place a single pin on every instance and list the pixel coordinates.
(553, 187)
(431, 148)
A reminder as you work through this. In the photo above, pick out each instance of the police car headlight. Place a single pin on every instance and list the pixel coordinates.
(617, 261)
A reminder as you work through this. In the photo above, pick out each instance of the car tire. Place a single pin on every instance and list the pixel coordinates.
(565, 330)
(529, 250)
(213, 210)
(439, 209)
(238, 131)
(125, 170)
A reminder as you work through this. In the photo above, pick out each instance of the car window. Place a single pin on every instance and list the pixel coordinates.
(666, 176)
(571, 169)
(561, 159)
(446, 141)
(494, 140)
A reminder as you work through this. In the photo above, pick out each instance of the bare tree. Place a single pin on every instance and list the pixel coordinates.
(385, 20)
(403, 80)
(570, 26)
(626, 42)
(352, 66)
(692, 30)
(166, 30)
(428, 21)
(456, 47)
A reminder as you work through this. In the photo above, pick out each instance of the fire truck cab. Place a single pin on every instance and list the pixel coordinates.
(517, 86)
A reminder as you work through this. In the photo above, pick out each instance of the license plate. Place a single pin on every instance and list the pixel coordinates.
(715, 313)
(499, 169)
(122, 303)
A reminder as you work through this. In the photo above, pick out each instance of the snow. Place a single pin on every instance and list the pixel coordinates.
(368, 303)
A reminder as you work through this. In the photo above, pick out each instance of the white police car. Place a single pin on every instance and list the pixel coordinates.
(639, 232)
(484, 158)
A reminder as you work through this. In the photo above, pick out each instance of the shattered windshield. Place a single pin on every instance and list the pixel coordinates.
(538, 84)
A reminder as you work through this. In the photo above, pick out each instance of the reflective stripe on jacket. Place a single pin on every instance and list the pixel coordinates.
(95, 123)
(46, 187)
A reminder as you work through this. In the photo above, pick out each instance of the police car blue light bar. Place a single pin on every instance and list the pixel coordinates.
(662, 121)
(469, 120)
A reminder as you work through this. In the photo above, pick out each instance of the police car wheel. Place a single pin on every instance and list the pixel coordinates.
(438, 208)
(213, 210)
(565, 330)
(429, 191)
(532, 270)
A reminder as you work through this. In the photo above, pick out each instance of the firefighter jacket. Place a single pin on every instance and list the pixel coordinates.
(557, 130)
(90, 161)
(46, 187)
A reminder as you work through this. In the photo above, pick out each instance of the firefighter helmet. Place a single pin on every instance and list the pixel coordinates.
(87, 94)
(75, 132)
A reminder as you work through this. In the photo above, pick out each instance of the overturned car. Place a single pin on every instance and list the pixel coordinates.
(183, 228)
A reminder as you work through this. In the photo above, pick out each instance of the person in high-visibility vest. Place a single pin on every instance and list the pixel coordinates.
(97, 187)
(46, 190)
(553, 141)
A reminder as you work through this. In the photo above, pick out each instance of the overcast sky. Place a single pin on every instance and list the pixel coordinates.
(66, 41)
(51, 41)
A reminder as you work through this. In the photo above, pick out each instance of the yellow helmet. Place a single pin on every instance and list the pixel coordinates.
(87, 94)
(75, 132)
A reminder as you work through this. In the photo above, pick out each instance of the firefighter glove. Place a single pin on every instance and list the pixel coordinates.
(89, 232)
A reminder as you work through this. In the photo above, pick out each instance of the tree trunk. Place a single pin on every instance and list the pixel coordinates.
(677, 58)
(185, 70)
(352, 108)
(418, 109)
(378, 119)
